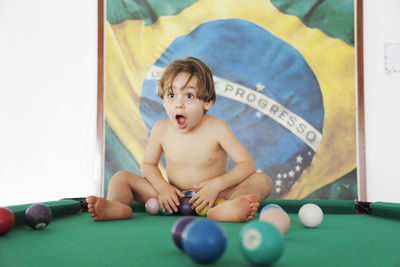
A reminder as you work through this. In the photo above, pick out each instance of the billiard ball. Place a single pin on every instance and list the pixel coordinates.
(178, 228)
(38, 216)
(185, 208)
(261, 242)
(310, 215)
(7, 221)
(277, 217)
(268, 207)
(152, 206)
(204, 211)
(166, 212)
(204, 241)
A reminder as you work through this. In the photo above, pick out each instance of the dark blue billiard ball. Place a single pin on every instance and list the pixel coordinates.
(38, 216)
(185, 208)
(204, 240)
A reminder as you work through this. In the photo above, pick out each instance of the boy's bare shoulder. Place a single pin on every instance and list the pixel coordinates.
(217, 123)
(160, 126)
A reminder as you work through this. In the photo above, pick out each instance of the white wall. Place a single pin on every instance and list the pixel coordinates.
(48, 92)
(48, 95)
(382, 102)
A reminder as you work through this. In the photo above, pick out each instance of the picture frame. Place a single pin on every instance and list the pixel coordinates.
(360, 129)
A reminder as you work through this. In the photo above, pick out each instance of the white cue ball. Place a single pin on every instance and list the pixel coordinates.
(310, 215)
(152, 206)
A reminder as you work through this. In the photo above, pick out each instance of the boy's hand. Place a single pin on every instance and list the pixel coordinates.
(168, 198)
(207, 194)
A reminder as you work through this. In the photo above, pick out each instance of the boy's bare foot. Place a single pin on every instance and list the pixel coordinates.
(240, 209)
(101, 209)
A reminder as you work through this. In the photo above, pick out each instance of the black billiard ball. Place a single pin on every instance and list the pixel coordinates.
(38, 216)
(185, 208)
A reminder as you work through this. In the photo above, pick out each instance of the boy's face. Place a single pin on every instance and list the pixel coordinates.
(183, 107)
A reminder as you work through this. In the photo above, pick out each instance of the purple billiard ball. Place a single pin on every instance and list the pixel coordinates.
(178, 228)
(185, 208)
(38, 216)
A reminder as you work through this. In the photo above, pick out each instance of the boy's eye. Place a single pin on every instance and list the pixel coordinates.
(190, 96)
(170, 95)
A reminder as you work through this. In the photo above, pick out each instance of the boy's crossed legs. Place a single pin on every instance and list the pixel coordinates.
(241, 203)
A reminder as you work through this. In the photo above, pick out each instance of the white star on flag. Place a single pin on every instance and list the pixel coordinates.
(299, 159)
(260, 87)
(291, 173)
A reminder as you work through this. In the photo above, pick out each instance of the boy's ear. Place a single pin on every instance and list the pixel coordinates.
(208, 105)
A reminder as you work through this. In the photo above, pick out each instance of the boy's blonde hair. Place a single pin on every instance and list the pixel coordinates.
(195, 68)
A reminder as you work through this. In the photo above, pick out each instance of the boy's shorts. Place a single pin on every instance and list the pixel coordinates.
(189, 194)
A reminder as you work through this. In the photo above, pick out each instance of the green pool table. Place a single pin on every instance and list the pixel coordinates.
(351, 234)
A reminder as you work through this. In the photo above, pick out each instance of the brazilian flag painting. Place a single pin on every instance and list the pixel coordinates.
(284, 72)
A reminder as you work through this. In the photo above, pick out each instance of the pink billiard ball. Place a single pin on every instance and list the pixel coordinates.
(278, 217)
(152, 206)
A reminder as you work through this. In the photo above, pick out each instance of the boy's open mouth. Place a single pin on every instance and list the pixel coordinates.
(181, 120)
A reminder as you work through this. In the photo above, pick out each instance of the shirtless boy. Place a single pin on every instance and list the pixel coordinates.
(196, 147)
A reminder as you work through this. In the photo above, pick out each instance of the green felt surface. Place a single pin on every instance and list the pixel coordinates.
(144, 240)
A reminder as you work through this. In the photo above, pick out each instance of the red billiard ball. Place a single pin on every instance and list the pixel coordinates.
(7, 221)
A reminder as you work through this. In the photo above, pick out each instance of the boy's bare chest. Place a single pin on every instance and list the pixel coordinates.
(192, 150)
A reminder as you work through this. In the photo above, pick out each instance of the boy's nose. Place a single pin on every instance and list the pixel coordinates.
(179, 103)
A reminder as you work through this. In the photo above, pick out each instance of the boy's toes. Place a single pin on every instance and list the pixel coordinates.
(250, 217)
(254, 198)
(90, 199)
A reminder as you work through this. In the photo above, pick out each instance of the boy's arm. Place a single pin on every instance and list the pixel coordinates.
(244, 163)
(244, 166)
(168, 194)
